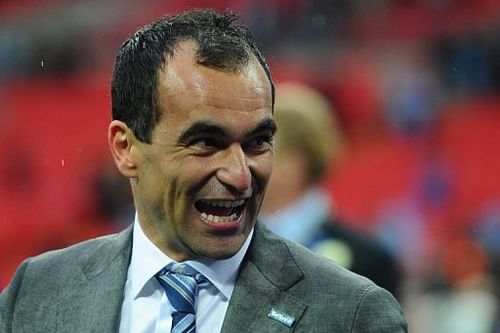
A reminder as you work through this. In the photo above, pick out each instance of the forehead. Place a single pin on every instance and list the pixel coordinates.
(188, 90)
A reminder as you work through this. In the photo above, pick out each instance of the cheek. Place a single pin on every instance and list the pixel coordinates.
(158, 184)
(263, 169)
(184, 183)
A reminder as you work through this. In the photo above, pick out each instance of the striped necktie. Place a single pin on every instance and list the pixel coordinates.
(180, 282)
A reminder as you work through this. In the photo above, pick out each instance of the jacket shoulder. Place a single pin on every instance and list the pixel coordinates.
(335, 297)
(75, 254)
(43, 285)
(76, 262)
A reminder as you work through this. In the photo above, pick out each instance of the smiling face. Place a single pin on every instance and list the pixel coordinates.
(198, 186)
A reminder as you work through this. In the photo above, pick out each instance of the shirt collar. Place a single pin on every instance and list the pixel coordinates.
(147, 260)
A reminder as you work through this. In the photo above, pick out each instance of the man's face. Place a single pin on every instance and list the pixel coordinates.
(201, 181)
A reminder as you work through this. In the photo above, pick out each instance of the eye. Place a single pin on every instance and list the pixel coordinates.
(206, 143)
(260, 143)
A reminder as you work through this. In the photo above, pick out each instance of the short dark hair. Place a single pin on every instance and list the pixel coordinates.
(222, 44)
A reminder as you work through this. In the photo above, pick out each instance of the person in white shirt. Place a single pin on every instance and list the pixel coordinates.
(192, 128)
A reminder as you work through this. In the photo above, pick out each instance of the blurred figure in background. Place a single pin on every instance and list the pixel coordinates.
(462, 297)
(308, 143)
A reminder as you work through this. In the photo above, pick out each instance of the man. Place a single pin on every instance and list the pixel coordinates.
(192, 129)
(307, 146)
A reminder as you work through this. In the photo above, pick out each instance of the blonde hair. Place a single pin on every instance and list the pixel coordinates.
(307, 123)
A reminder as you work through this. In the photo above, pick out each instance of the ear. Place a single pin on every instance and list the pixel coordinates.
(121, 141)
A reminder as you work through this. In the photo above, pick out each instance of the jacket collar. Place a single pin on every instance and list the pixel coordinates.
(98, 294)
(260, 300)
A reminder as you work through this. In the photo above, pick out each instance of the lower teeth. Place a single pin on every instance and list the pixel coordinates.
(219, 219)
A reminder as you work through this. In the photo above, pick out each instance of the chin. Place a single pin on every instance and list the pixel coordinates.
(222, 249)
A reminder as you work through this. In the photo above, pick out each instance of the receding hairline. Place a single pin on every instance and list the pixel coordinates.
(197, 57)
(191, 46)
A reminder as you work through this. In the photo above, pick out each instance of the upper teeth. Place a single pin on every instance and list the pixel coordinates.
(225, 203)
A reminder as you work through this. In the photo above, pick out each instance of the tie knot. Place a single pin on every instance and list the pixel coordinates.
(181, 269)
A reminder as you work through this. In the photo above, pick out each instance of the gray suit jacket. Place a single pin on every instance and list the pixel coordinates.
(282, 287)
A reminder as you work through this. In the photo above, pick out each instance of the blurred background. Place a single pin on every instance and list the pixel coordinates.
(415, 85)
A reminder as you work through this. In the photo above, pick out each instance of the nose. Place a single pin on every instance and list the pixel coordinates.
(234, 171)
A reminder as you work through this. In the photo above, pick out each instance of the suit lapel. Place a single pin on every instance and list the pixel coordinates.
(260, 302)
(97, 294)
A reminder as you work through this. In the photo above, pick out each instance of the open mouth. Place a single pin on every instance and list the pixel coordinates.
(220, 211)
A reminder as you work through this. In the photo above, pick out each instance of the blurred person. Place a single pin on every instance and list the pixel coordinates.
(307, 145)
(192, 129)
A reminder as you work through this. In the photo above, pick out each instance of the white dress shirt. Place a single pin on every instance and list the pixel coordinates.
(145, 307)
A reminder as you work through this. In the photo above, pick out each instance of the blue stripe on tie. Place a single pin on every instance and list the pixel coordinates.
(185, 324)
(180, 283)
(181, 287)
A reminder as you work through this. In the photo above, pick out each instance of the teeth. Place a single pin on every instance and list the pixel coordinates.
(219, 219)
(228, 204)
(225, 203)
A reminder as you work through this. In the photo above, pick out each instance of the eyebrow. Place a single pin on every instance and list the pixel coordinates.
(267, 125)
(201, 127)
